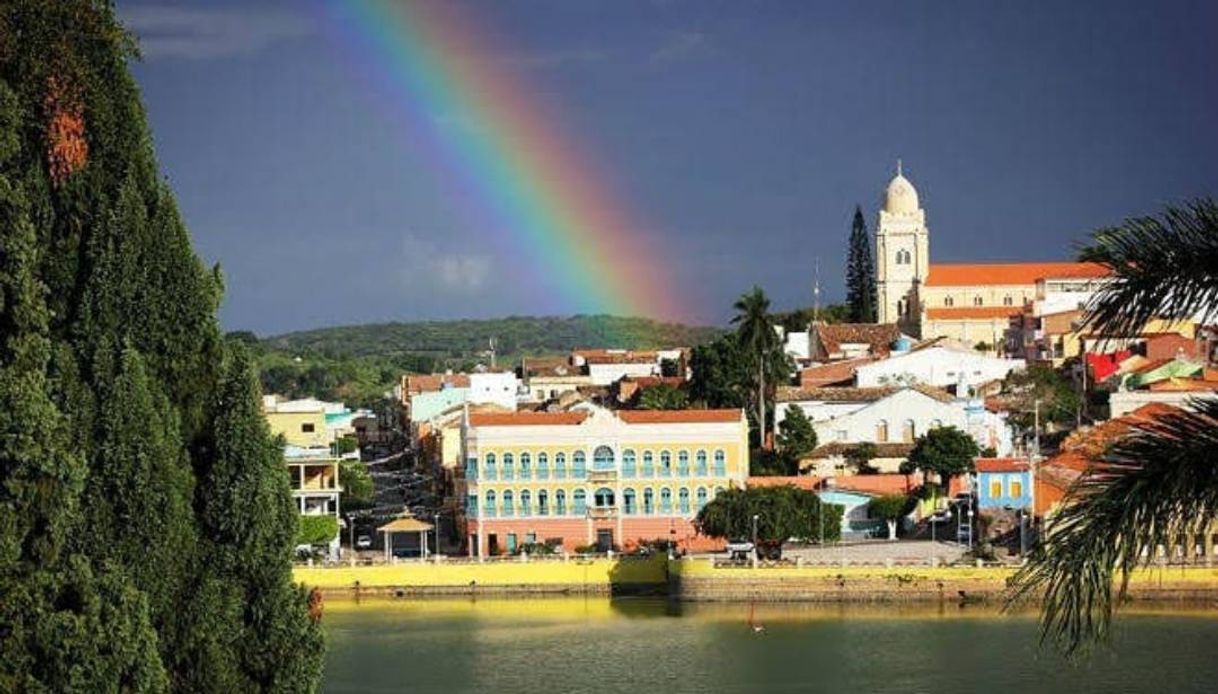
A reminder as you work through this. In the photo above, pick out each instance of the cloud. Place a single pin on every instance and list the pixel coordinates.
(454, 272)
(680, 45)
(167, 31)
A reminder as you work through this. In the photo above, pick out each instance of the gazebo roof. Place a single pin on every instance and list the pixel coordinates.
(405, 525)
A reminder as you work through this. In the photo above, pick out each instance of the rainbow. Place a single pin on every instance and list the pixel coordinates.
(546, 202)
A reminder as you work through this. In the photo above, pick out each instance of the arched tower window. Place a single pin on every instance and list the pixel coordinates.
(948, 301)
(977, 301)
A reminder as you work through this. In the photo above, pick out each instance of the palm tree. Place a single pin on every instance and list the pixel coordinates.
(756, 333)
(1159, 483)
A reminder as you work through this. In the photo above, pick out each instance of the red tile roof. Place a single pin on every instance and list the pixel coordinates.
(508, 419)
(831, 336)
(849, 394)
(1001, 465)
(987, 274)
(873, 484)
(808, 482)
(833, 373)
(971, 312)
(425, 383)
(679, 416)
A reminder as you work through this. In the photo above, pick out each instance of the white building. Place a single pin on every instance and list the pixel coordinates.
(494, 387)
(892, 414)
(936, 366)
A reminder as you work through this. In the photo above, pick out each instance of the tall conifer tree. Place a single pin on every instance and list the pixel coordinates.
(124, 438)
(860, 273)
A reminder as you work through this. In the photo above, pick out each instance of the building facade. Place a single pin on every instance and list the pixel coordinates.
(596, 477)
(1003, 483)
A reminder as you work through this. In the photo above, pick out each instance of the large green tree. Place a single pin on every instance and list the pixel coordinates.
(1159, 484)
(796, 435)
(117, 409)
(860, 272)
(782, 512)
(943, 451)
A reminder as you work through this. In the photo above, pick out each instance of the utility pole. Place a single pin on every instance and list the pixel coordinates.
(437, 518)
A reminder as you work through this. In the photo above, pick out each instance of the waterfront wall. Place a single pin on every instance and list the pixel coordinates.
(549, 576)
(702, 580)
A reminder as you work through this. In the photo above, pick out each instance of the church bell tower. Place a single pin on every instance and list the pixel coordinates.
(902, 254)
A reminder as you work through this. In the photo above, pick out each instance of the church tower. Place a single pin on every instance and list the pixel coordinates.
(902, 255)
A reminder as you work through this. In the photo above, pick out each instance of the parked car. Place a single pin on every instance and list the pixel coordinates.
(406, 552)
(363, 542)
(740, 550)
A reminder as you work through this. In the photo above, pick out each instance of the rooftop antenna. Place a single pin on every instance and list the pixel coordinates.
(816, 291)
(491, 351)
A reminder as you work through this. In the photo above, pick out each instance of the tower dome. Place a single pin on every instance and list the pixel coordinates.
(900, 197)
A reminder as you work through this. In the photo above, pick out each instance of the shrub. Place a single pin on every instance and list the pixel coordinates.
(316, 530)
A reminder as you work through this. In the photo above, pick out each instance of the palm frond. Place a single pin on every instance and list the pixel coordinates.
(1158, 483)
(1164, 266)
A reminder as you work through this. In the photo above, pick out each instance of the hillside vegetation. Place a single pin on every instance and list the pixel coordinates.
(359, 363)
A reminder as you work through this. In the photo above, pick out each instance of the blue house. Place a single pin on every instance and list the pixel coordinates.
(1004, 483)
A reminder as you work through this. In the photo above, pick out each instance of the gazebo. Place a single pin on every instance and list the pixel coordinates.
(405, 525)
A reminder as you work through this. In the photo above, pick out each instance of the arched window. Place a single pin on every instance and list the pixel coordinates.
(488, 470)
(490, 504)
(683, 463)
(603, 498)
(560, 466)
(700, 465)
(649, 468)
(508, 510)
(948, 301)
(628, 463)
(579, 502)
(665, 500)
(508, 469)
(560, 503)
(543, 466)
(543, 503)
(579, 467)
(1007, 300)
(720, 463)
(701, 497)
(471, 468)
(526, 467)
(602, 458)
(526, 502)
(683, 500)
(907, 431)
(649, 502)
(665, 464)
(977, 301)
(881, 431)
(628, 505)
(471, 505)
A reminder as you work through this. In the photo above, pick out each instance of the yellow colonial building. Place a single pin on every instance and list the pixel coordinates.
(595, 476)
(973, 302)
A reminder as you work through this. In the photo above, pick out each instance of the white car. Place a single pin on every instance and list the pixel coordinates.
(363, 542)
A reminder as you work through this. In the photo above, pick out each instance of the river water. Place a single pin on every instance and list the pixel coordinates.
(638, 646)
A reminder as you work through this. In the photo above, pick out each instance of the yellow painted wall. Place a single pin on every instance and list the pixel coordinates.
(589, 572)
(290, 425)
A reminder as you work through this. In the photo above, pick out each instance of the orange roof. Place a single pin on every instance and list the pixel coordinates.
(971, 312)
(809, 482)
(508, 419)
(1183, 385)
(832, 373)
(1008, 273)
(872, 484)
(1001, 465)
(678, 416)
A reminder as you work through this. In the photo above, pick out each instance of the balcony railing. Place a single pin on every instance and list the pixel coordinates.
(602, 511)
(606, 475)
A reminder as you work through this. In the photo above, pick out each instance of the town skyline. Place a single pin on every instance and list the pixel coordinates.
(315, 198)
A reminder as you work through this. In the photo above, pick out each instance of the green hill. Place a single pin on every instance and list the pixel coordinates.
(359, 363)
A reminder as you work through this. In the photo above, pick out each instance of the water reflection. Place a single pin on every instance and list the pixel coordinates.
(633, 645)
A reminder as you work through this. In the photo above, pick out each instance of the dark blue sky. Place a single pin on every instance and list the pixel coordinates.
(744, 132)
